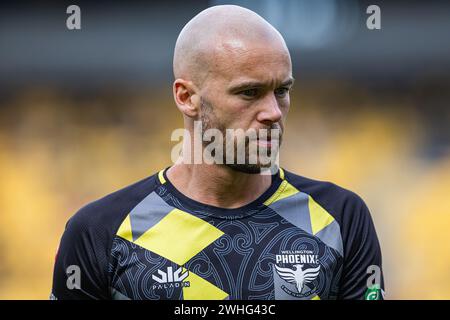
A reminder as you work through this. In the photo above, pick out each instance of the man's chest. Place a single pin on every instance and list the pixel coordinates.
(241, 259)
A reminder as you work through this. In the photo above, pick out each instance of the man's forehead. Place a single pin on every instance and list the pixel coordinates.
(247, 49)
(239, 63)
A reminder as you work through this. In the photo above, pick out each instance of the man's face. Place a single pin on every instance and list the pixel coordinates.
(247, 87)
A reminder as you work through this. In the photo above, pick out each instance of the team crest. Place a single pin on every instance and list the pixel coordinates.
(298, 272)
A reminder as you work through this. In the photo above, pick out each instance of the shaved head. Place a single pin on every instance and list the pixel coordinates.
(215, 36)
(232, 71)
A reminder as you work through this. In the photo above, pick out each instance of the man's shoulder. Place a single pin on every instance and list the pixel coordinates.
(316, 187)
(335, 199)
(110, 210)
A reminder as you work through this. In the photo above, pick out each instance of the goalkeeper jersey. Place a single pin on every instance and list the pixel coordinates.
(301, 239)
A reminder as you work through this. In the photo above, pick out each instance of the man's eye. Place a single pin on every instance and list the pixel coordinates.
(281, 92)
(250, 93)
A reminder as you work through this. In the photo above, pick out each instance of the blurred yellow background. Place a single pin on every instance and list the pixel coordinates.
(60, 151)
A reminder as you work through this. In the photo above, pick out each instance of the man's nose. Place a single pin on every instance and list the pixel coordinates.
(270, 111)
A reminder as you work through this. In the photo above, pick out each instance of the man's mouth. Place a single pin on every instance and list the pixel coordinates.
(267, 143)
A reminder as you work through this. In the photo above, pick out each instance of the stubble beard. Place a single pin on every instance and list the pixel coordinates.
(209, 120)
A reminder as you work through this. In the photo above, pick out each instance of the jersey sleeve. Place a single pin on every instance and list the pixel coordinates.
(362, 276)
(81, 263)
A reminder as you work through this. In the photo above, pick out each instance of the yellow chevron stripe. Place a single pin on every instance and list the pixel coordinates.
(125, 229)
(315, 298)
(200, 289)
(284, 190)
(179, 236)
(320, 218)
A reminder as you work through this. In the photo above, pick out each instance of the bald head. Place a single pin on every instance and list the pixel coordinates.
(217, 35)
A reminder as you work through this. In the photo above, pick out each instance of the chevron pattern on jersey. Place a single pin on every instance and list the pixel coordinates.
(175, 235)
(303, 211)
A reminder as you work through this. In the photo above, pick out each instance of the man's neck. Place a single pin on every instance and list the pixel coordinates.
(217, 185)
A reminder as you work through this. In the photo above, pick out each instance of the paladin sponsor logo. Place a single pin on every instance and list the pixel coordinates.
(171, 279)
(299, 269)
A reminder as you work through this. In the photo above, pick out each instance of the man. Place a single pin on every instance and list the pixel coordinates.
(224, 230)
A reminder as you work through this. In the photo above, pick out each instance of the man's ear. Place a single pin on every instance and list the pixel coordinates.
(186, 97)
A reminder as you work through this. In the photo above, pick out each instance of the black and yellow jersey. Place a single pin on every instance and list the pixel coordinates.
(301, 239)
